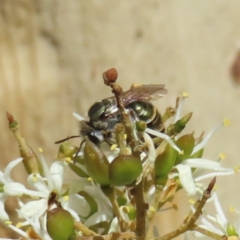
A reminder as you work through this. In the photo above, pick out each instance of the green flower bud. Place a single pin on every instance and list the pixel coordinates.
(164, 164)
(121, 201)
(131, 213)
(96, 163)
(185, 143)
(60, 224)
(170, 130)
(231, 231)
(198, 154)
(181, 124)
(124, 170)
(141, 126)
(67, 149)
(78, 170)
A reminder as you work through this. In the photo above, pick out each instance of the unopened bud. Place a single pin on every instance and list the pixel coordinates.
(231, 230)
(96, 163)
(164, 164)
(141, 126)
(198, 154)
(181, 123)
(124, 170)
(60, 224)
(186, 143)
(67, 149)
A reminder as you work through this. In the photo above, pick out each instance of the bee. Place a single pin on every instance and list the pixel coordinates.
(104, 115)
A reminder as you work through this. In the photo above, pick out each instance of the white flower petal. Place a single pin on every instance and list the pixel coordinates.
(46, 172)
(97, 217)
(18, 189)
(219, 210)
(209, 226)
(10, 166)
(76, 186)
(56, 172)
(114, 227)
(179, 109)
(206, 138)
(78, 117)
(164, 136)
(39, 226)
(151, 149)
(186, 179)
(19, 231)
(39, 183)
(202, 163)
(3, 214)
(78, 204)
(3, 180)
(33, 208)
(214, 174)
(102, 200)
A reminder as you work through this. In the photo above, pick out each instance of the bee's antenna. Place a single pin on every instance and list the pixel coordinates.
(67, 138)
(79, 149)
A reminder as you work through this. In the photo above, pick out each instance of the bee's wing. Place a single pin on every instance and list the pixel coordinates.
(144, 93)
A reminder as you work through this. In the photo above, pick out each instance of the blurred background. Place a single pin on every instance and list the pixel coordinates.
(53, 54)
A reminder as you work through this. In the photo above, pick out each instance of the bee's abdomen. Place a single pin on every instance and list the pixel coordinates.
(146, 112)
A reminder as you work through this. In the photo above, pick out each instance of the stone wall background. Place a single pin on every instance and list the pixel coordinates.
(53, 53)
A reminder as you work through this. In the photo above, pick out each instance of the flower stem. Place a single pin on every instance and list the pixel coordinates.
(111, 194)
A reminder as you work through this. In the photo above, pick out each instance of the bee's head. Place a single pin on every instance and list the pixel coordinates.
(87, 130)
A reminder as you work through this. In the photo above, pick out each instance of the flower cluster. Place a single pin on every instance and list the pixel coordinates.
(125, 175)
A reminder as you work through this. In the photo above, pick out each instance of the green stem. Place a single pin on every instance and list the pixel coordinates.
(111, 194)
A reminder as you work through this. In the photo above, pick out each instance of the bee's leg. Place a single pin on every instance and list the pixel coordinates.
(112, 123)
(109, 137)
